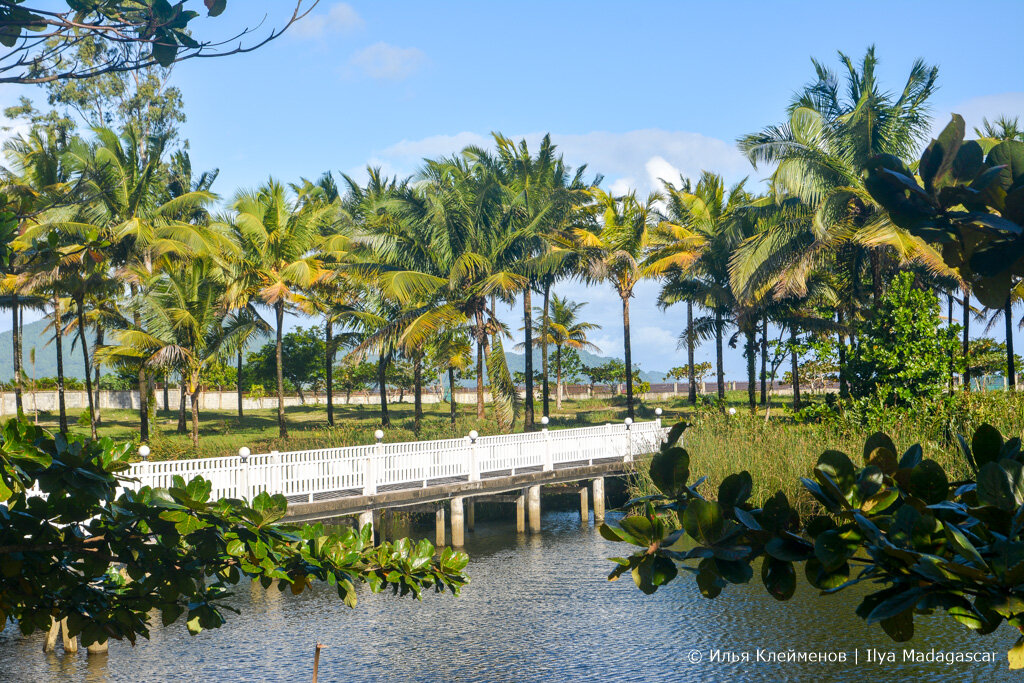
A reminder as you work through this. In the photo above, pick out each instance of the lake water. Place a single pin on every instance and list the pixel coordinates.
(539, 608)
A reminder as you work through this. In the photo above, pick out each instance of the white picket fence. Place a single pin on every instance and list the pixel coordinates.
(365, 470)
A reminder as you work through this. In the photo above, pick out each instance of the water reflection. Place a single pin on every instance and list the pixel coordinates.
(539, 609)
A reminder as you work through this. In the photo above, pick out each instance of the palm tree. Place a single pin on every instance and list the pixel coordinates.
(452, 352)
(693, 252)
(566, 330)
(615, 253)
(279, 261)
(822, 154)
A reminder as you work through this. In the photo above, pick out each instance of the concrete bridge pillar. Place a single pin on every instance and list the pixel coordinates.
(584, 506)
(533, 503)
(521, 514)
(365, 518)
(598, 500)
(470, 515)
(439, 527)
(458, 522)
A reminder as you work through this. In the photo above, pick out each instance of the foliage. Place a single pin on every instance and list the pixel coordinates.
(302, 353)
(969, 200)
(897, 521)
(611, 373)
(139, 34)
(62, 552)
(902, 351)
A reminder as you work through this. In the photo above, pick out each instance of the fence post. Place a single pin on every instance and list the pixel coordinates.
(608, 440)
(275, 475)
(474, 462)
(144, 465)
(548, 462)
(242, 482)
(629, 440)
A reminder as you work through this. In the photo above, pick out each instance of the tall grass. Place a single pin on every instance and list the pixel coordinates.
(778, 452)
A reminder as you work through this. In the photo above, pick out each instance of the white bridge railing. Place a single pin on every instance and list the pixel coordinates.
(363, 470)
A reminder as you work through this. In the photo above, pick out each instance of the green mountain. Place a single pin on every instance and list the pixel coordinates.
(517, 363)
(36, 337)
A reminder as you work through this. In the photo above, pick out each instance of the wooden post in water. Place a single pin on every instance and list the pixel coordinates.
(439, 527)
(584, 506)
(598, 500)
(533, 502)
(316, 660)
(70, 644)
(521, 514)
(458, 523)
(470, 515)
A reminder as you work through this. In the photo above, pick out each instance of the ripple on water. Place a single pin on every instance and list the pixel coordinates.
(539, 608)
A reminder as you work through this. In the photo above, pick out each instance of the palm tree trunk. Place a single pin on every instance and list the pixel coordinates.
(1011, 370)
(451, 394)
(794, 368)
(691, 376)
(417, 393)
(844, 387)
(751, 371)
(182, 402)
(764, 360)
(167, 397)
(195, 411)
(558, 378)
(952, 352)
(382, 371)
(481, 339)
(719, 358)
(16, 354)
(329, 370)
(58, 343)
(143, 383)
(282, 428)
(238, 384)
(965, 346)
(80, 305)
(97, 372)
(528, 343)
(544, 332)
(629, 355)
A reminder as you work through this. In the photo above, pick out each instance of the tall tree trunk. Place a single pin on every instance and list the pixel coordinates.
(282, 428)
(751, 371)
(382, 371)
(629, 355)
(238, 384)
(558, 378)
(143, 382)
(182, 402)
(691, 376)
(1011, 369)
(451, 394)
(719, 360)
(952, 351)
(97, 372)
(844, 387)
(195, 411)
(167, 396)
(764, 360)
(417, 393)
(481, 340)
(965, 346)
(16, 355)
(794, 368)
(544, 335)
(329, 370)
(80, 305)
(59, 344)
(528, 343)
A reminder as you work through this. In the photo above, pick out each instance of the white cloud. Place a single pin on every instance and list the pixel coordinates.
(629, 160)
(388, 62)
(340, 18)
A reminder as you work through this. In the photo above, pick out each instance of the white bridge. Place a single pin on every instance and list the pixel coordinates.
(331, 482)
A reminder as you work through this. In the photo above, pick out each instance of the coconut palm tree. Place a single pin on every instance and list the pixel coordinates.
(279, 261)
(615, 253)
(566, 330)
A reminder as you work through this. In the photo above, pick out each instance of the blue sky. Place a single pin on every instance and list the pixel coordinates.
(637, 90)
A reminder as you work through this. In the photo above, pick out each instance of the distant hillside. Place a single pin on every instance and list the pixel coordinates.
(36, 337)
